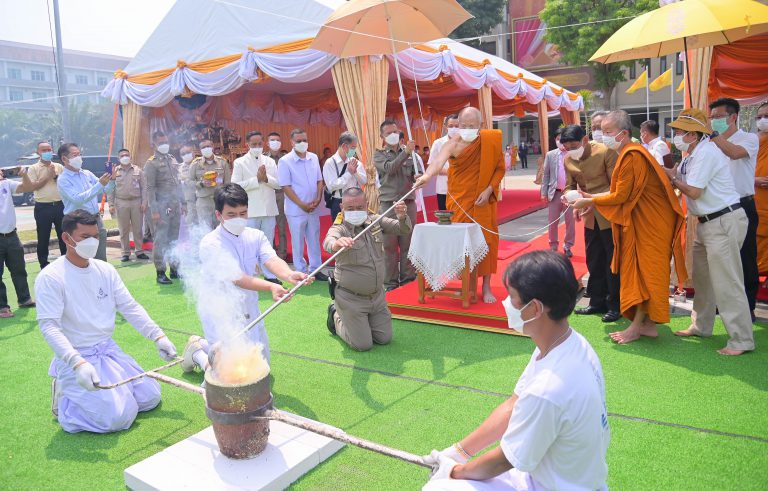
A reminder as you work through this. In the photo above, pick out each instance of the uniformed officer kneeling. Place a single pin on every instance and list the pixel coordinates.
(359, 314)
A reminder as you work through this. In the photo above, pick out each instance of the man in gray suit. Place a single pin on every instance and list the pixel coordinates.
(553, 185)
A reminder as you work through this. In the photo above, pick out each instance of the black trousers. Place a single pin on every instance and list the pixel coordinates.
(441, 201)
(47, 216)
(749, 253)
(603, 285)
(524, 160)
(12, 256)
(335, 208)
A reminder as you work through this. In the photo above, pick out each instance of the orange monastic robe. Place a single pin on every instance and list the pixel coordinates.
(480, 165)
(761, 202)
(646, 219)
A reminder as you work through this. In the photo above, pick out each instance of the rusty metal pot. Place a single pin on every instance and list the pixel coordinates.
(236, 412)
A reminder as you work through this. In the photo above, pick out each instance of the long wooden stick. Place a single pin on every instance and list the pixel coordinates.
(136, 377)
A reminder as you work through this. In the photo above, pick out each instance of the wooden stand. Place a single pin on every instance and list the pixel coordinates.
(467, 293)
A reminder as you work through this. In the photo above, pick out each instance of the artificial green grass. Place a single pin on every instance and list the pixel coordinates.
(670, 380)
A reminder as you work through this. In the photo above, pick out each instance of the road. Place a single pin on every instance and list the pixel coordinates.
(25, 217)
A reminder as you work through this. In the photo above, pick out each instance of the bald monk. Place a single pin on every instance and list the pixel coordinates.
(475, 172)
(646, 219)
(761, 189)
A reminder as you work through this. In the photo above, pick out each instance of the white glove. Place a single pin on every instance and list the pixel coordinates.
(86, 376)
(444, 468)
(451, 452)
(165, 348)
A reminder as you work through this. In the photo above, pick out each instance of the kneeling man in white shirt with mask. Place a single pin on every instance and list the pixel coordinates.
(77, 297)
(553, 432)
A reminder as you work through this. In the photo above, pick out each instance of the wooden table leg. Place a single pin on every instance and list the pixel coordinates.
(420, 281)
(465, 275)
(473, 286)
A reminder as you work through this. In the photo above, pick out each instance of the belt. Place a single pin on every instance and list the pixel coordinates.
(369, 297)
(128, 199)
(712, 216)
(9, 234)
(747, 199)
(50, 203)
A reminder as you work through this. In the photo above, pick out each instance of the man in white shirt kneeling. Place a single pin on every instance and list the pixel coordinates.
(77, 300)
(553, 432)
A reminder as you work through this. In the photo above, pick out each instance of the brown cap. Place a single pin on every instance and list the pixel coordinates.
(692, 120)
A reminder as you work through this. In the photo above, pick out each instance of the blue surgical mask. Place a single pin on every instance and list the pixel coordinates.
(47, 156)
(351, 153)
(720, 125)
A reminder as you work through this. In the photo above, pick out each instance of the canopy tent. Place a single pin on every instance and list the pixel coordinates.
(257, 64)
(740, 70)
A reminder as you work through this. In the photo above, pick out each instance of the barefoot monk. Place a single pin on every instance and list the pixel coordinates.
(646, 218)
(475, 173)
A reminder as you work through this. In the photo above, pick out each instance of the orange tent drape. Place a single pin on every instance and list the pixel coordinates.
(740, 70)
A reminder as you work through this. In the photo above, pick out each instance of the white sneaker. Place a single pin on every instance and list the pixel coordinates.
(55, 394)
(193, 345)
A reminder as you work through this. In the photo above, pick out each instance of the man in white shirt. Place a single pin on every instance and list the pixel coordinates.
(257, 174)
(11, 250)
(273, 151)
(78, 298)
(705, 180)
(229, 255)
(450, 128)
(553, 433)
(342, 171)
(741, 149)
(649, 136)
(302, 181)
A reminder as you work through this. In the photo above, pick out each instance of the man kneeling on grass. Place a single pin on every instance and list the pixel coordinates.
(77, 297)
(553, 432)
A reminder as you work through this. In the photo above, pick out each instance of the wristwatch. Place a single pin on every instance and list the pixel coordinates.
(714, 134)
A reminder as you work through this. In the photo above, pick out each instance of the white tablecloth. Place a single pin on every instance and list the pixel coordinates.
(438, 251)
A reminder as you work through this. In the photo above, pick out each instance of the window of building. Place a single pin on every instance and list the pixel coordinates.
(15, 95)
(39, 97)
(102, 81)
(81, 79)
(648, 66)
(662, 64)
(633, 71)
(38, 75)
(678, 65)
(14, 73)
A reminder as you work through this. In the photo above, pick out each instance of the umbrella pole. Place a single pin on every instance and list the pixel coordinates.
(687, 73)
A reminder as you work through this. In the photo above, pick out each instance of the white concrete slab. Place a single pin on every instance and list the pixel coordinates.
(196, 463)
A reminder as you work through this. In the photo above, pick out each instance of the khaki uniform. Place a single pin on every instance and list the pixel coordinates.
(362, 316)
(190, 197)
(282, 223)
(204, 195)
(396, 174)
(165, 198)
(127, 197)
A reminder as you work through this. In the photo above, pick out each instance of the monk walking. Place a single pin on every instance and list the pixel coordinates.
(476, 170)
(761, 189)
(646, 218)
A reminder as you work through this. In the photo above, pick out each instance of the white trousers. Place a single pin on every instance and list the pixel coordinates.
(305, 228)
(267, 226)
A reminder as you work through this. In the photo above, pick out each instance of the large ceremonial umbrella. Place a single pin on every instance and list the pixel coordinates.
(682, 26)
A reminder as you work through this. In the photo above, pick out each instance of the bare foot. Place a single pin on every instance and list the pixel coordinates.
(730, 352)
(634, 332)
(488, 296)
(686, 333)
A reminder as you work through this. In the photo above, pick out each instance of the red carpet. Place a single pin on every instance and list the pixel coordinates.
(514, 204)
(403, 302)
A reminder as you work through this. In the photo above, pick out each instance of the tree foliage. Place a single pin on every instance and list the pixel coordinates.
(577, 44)
(20, 131)
(488, 14)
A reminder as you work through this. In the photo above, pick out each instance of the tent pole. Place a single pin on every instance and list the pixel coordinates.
(688, 73)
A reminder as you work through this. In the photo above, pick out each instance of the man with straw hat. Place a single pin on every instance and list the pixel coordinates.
(704, 177)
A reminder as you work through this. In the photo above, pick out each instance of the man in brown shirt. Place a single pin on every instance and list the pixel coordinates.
(49, 209)
(128, 201)
(590, 166)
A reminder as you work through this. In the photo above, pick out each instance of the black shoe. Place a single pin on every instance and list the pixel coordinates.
(331, 323)
(162, 279)
(141, 255)
(321, 277)
(274, 280)
(568, 253)
(125, 258)
(611, 316)
(174, 274)
(754, 317)
(589, 310)
(390, 288)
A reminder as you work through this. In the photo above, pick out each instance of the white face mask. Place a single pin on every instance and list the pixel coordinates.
(187, 157)
(680, 144)
(275, 145)
(207, 152)
(125, 160)
(469, 134)
(256, 152)
(355, 217)
(87, 248)
(576, 154)
(452, 132)
(235, 226)
(597, 136)
(392, 138)
(301, 147)
(515, 316)
(163, 148)
(76, 162)
(611, 142)
(762, 124)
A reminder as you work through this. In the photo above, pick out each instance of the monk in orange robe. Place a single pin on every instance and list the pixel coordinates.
(646, 219)
(474, 176)
(761, 190)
